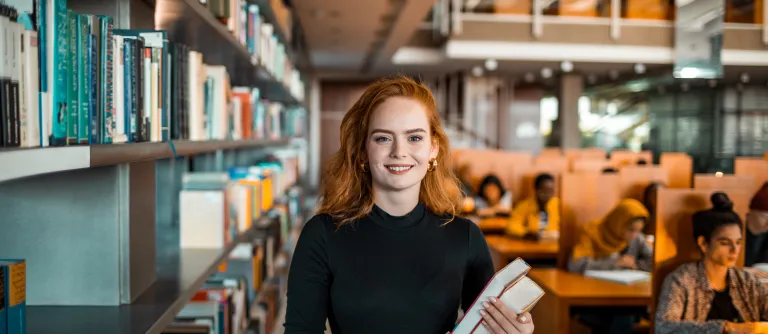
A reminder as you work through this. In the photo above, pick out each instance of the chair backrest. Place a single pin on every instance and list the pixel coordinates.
(584, 197)
(723, 182)
(622, 158)
(679, 167)
(674, 244)
(751, 166)
(592, 165)
(634, 179)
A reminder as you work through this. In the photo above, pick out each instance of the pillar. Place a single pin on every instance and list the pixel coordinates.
(567, 125)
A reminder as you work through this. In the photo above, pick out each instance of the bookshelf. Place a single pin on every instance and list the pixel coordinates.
(98, 225)
(183, 274)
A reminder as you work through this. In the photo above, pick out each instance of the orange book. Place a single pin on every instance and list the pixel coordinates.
(246, 112)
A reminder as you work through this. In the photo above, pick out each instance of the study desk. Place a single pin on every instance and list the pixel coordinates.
(564, 290)
(505, 249)
(491, 225)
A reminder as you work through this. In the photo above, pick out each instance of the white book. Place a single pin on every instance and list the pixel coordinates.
(512, 287)
(196, 96)
(237, 119)
(17, 73)
(202, 219)
(620, 276)
(118, 89)
(31, 87)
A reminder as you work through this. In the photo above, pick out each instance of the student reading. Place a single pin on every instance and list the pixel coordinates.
(537, 213)
(492, 198)
(386, 253)
(712, 295)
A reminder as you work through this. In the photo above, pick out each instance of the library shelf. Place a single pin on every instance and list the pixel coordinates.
(26, 162)
(181, 277)
(188, 22)
(265, 8)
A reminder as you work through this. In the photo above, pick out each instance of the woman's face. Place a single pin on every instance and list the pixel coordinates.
(634, 229)
(399, 145)
(492, 193)
(546, 191)
(724, 247)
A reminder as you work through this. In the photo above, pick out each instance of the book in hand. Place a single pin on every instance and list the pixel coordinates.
(627, 276)
(512, 287)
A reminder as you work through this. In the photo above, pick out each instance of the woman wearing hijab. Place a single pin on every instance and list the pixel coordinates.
(614, 242)
(756, 249)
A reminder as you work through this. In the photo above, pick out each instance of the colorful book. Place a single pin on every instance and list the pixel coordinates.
(14, 283)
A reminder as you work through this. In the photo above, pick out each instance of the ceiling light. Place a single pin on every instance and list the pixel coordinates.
(491, 64)
(744, 77)
(613, 74)
(529, 77)
(566, 66)
(477, 71)
(546, 73)
(689, 72)
(639, 68)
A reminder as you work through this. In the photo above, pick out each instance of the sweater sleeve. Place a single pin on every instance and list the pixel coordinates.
(479, 268)
(580, 264)
(309, 281)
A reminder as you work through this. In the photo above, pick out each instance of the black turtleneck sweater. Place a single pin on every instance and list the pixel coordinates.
(385, 274)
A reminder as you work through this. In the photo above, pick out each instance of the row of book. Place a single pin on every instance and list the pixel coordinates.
(100, 85)
(246, 22)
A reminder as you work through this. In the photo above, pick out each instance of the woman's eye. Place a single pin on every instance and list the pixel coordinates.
(381, 139)
(415, 138)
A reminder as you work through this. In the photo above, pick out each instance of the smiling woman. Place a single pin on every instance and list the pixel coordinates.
(386, 252)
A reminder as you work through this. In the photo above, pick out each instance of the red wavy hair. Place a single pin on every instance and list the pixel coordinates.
(347, 193)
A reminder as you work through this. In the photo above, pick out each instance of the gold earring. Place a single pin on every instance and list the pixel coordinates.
(364, 166)
(432, 165)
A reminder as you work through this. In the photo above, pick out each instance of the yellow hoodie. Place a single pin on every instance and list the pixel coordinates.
(525, 217)
(603, 237)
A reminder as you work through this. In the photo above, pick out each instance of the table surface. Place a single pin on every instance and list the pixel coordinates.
(569, 285)
(511, 246)
(493, 224)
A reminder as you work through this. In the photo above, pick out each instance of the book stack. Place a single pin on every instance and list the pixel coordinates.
(101, 85)
(512, 287)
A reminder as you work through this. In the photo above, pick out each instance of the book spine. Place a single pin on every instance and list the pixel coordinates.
(31, 91)
(93, 117)
(14, 103)
(83, 82)
(165, 91)
(141, 127)
(128, 86)
(59, 105)
(44, 115)
(146, 76)
(16, 297)
(107, 87)
(72, 76)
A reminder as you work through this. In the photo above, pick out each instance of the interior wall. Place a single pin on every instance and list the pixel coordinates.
(335, 100)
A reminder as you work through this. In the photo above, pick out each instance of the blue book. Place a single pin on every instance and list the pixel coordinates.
(59, 72)
(3, 302)
(14, 283)
(130, 116)
(93, 117)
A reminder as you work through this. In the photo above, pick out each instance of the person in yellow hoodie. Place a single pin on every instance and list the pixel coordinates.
(614, 242)
(537, 213)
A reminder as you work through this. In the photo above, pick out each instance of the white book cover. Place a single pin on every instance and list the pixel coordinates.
(204, 310)
(202, 219)
(118, 90)
(17, 61)
(509, 284)
(31, 87)
(237, 119)
(620, 276)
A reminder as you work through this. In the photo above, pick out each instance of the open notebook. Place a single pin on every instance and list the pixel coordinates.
(510, 285)
(620, 276)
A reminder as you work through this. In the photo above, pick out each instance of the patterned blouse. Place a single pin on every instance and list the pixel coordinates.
(686, 297)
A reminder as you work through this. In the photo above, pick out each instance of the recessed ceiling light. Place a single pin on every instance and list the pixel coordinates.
(546, 73)
(744, 77)
(529, 77)
(639, 68)
(491, 64)
(477, 71)
(566, 66)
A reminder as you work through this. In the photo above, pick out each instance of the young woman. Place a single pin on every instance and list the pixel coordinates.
(614, 242)
(537, 213)
(386, 253)
(712, 295)
(492, 198)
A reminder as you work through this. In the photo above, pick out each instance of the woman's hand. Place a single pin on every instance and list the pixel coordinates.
(626, 262)
(499, 319)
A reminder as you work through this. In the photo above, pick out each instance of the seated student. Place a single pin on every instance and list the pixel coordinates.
(649, 201)
(712, 295)
(756, 248)
(614, 242)
(492, 198)
(537, 213)
(609, 170)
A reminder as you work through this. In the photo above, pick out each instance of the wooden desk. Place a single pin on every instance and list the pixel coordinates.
(505, 249)
(491, 225)
(563, 290)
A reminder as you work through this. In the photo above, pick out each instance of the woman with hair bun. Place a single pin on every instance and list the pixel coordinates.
(386, 252)
(712, 295)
